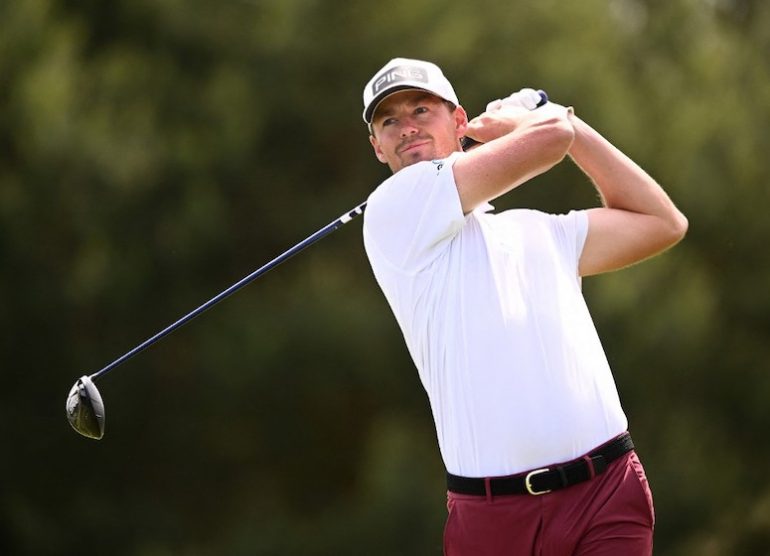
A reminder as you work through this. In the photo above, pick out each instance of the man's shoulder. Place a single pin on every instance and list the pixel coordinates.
(522, 216)
(412, 183)
(417, 171)
(535, 215)
(533, 222)
(408, 174)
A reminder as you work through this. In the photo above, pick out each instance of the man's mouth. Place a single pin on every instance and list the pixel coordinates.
(413, 145)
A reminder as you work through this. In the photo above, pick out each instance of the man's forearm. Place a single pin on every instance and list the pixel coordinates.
(517, 148)
(621, 182)
(638, 219)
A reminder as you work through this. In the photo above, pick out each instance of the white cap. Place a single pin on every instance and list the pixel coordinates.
(404, 73)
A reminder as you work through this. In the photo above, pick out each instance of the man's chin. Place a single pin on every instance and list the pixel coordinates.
(413, 157)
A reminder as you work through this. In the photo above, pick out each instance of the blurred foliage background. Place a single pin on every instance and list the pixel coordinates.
(153, 152)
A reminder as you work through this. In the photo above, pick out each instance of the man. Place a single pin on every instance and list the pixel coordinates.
(528, 418)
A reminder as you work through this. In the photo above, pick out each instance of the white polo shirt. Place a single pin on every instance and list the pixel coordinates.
(493, 316)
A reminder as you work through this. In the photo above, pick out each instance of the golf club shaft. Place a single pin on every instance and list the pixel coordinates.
(326, 230)
(342, 220)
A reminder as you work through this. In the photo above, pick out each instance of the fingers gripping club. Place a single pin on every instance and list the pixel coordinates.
(529, 99)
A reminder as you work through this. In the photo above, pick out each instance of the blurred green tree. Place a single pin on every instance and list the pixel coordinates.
(153, 152)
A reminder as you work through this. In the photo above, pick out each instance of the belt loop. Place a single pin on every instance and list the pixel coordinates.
(562, 476)
(488, 488)
(590, 463)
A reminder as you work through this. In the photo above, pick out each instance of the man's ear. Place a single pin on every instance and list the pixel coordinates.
(461, 122)
(377, 150)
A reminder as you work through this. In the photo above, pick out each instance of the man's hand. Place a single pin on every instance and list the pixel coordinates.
(502, 116)
(490, 125)
(520, 144)
(525, 98)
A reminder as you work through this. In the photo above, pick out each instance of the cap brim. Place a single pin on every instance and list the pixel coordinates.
(376, 101)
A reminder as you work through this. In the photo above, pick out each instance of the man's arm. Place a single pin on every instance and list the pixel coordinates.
(638, 219)
(518, 145)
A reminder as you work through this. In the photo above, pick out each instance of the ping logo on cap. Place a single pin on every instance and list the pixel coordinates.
(397, 74)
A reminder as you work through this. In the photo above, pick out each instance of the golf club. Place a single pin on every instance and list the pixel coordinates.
(85, 408)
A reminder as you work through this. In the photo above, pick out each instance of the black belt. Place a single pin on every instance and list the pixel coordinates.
(541, 481)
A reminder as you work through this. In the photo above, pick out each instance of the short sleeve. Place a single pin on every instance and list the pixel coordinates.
(411, 216)
(570, 232)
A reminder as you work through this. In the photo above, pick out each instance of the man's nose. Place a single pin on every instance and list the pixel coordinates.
(408, 128)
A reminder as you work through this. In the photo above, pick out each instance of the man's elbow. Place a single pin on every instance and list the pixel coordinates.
(676, 227)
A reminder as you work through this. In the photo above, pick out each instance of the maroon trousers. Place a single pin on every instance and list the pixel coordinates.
(609, 515)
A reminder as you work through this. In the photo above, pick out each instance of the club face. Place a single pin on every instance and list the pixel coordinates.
(85, 409)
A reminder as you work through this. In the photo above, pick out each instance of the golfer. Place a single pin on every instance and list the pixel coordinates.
(528, 418)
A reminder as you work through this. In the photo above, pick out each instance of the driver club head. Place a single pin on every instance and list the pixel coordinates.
(85, 409)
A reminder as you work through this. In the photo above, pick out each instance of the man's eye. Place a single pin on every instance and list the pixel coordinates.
(388, 121)
(421, 110)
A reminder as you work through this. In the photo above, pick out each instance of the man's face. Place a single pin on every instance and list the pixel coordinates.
(412, 126)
